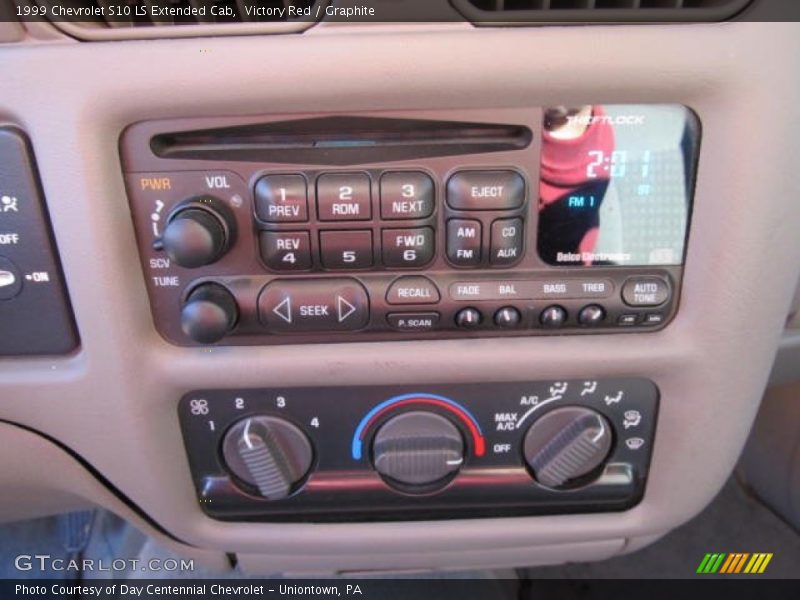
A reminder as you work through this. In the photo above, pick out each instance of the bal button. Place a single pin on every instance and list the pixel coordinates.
(507, 317)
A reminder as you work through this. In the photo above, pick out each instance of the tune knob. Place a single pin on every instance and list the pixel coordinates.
(198, 232)
(209, 313)
(270, 454)
(418, 451)
(567, 444)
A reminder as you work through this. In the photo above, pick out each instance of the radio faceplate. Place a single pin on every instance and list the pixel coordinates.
(398, 226)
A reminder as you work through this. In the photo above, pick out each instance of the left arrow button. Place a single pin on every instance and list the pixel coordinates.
(284, 309)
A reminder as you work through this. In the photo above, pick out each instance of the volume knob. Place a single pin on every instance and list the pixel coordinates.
(268, 453)
(198, 232)
(567, 444)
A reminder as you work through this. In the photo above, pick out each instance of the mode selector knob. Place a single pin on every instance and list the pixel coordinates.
(209, 313)
(567, 444)
(268, 453)
(418, 451)
(198, 232)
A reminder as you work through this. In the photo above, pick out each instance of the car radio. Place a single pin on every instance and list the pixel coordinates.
(413, 225)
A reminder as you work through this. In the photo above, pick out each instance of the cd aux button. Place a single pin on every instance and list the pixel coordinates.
(412, 290)
(507, 242)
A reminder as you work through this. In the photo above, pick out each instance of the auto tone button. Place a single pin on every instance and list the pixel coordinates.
(645, 291)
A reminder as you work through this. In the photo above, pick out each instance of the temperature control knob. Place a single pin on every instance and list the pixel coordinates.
(209, 313)
(566, 444)
(198, 232)
(418, 450)
(269, 453)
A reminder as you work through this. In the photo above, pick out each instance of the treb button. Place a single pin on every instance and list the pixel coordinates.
(412, 290)
(307, 305)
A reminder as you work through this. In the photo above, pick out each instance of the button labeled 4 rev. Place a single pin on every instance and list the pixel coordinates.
(308, 305)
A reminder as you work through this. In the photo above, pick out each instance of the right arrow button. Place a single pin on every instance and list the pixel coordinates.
(306, 305)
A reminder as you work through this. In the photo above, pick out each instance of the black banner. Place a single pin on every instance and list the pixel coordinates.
(480, 12)
(397, 589)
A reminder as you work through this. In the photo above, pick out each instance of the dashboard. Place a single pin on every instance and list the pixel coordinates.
(268, 297)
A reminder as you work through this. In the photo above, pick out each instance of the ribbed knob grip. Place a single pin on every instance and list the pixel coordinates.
(566, 444)
(418, 449)
(268, 453)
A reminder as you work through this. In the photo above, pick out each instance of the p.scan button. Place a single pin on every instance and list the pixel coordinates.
(296, 306)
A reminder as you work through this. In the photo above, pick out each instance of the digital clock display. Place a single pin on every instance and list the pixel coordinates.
(616, 184)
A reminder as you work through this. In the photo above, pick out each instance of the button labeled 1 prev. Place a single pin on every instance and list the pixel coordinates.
(305, 305)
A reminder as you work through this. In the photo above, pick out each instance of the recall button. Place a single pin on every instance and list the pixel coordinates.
(645, 291)
(296, 306)
(413, 322)
(412, 290)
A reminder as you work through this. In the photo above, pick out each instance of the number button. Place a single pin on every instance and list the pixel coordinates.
(346, 249)
(406, 195)
(344, 197)
(286, 251)
(408, 247)
(282, 198)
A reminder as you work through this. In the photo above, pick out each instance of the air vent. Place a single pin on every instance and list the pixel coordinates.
(142, 19)
(531, 12)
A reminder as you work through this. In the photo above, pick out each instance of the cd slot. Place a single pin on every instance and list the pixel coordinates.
(341, 141)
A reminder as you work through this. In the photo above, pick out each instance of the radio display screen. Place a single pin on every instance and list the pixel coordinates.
(616, 184)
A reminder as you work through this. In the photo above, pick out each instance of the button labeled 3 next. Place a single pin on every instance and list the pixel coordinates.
(306, 305)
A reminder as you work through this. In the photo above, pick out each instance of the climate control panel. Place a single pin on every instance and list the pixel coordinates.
(415, 452)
